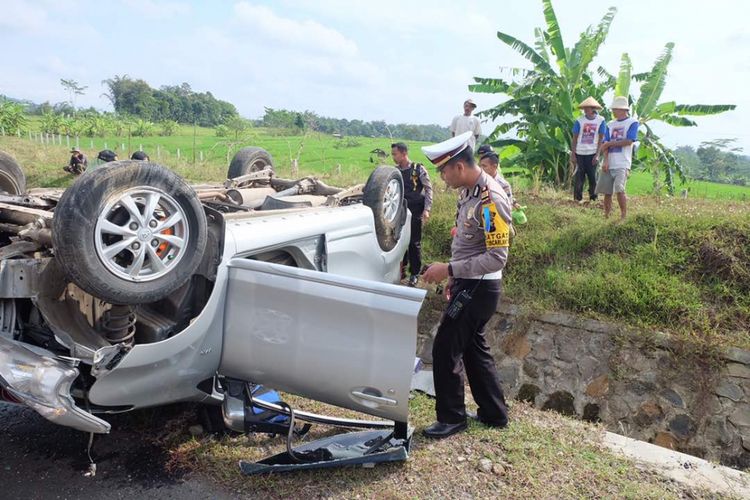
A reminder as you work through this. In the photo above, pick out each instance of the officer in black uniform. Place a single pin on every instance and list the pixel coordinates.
(418, 194)
(478, 255)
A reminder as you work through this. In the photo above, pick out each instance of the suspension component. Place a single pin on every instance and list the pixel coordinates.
(118, 324)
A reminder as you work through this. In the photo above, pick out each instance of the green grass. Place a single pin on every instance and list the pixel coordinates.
(641, 183)
(319, 154)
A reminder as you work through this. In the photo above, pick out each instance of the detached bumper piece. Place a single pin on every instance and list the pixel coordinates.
(364, 448)
(40, 380)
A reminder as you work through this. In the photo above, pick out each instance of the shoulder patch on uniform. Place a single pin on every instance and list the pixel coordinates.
(496, 230)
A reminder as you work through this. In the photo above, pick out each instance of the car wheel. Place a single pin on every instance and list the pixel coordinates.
(12, 178)
(129, 232)
(249, 160)
(384, 194)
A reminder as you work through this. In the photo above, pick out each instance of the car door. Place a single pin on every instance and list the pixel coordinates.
(340, 340)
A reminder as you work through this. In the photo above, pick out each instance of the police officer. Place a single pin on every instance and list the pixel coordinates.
(140, 155)
(106, 155)
(418, 194)
(478, 255)
(489, 161)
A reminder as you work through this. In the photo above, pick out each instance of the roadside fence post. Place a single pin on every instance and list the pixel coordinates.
(67, 140)
(178, 153)
(158, 151)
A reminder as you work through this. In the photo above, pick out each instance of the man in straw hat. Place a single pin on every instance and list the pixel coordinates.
(478, 254)
(78, 162)
(617, 149)
(588, 134)
(467, 123)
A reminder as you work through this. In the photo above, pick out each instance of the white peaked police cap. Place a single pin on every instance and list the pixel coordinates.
(440, 153)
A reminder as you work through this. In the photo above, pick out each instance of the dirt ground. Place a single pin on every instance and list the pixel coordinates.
(43, 460)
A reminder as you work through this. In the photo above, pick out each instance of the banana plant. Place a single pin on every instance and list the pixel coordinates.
(51, 123)
(12, 117)
(542, 104)
(652, 154)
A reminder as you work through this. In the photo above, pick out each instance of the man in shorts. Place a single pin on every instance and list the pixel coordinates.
(617, 149)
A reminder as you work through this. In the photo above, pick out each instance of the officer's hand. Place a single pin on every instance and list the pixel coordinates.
(605, 167)
(447, 291)
(436, 273)
(425, 216)
(595, 160)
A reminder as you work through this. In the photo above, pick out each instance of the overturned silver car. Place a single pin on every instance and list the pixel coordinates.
(132, 289)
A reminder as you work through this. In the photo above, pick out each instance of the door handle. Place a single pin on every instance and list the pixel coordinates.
(375, 399)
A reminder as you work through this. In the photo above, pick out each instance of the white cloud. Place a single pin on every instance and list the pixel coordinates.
(260, 21)
(23, 17)
(43, 19)
(152, 9)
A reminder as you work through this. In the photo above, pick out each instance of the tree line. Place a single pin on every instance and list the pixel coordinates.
(298, 122)
(716, 161)
(170, 102)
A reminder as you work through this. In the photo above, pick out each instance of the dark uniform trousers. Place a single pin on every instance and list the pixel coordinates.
(460, 345)
(586, 170)
(413, 255)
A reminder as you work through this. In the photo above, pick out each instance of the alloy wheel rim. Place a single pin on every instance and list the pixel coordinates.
(141, 234)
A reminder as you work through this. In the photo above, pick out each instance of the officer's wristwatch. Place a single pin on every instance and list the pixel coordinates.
(450, 270)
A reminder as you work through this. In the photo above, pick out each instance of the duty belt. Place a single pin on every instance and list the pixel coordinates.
(497, 275)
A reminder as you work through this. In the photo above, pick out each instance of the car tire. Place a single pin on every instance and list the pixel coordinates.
(384, 194)
(129, 232)
(249, 160)
(12, 178)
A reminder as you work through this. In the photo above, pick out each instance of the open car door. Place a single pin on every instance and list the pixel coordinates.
(331, 338)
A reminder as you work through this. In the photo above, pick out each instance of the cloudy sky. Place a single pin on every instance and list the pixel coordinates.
(396, 60)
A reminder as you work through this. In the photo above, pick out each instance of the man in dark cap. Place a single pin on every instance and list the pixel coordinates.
(483, 150)
(140, 155)
(107, 155)
(418, 195)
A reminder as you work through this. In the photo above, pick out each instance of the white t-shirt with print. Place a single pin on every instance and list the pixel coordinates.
(463, 123)
(588, 134)
(621, 157)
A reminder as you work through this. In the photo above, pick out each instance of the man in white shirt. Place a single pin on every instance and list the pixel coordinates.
(467, 122)
(617, 149)
(588, 133)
